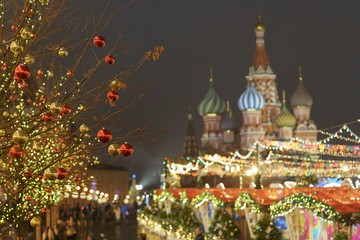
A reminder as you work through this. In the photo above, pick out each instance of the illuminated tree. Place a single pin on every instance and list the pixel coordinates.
(48, 88)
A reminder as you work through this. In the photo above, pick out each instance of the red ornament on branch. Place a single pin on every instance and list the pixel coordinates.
(47, 117)
(126, 150)
(99, 41)
(65, 109)
(28, 173)
(113, 95)
(22, 71)
(109, 59)
(15, 152)
(76, 179)
(61, 173)
(17, 79)
(104, 135)
(27, 198)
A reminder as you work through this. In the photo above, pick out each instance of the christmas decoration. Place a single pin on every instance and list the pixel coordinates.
(99, 41)
(20, 137)
(35, 222)
(126, 150)
(15, 152)
(65, 109)
(29, 59)
(55, 108)
(28, 173)
(51, 173)
(47, 117)
(63, 52)
(223, 226)
(109, 59)
(25, 33)
(22, 71)
(104, 135)
(113, 95)
(61, 173)
(246, 200)
(15, 47)
(84, 128)
(289, 203)
(265, 229)
(114, 149)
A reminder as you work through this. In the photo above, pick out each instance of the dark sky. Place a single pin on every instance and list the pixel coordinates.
(321, 36)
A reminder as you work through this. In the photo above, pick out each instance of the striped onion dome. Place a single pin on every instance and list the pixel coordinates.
(301, 97)
(228, 122)
(251, 99)
(211, 103)
(285, 118)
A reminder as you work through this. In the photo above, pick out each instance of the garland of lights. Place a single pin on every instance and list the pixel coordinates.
(246, 200)
(206, 197)
(165, 195)
(288, 204)
(184, 197)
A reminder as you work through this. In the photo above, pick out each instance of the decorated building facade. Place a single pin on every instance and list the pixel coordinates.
(263, 114)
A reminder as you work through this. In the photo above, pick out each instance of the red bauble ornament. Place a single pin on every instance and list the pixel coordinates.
(15, 152)
(65, 109)
(99, 41)
(22, 71)
(17, 79)
(47, 117)
(27, 198)
(113, 95)
(126, 150)
(76, 179)
(28, 173)
(61, 173)
(109, 59)
(43, 210)
(104, 135)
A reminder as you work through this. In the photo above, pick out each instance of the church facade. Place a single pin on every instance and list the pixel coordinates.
(264, 114)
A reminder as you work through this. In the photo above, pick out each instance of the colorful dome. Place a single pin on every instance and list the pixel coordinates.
(211, 103)
(285, 118)
(228, 122)
(251, 99)
(301, 97)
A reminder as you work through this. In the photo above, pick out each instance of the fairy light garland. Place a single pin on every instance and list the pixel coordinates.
(288, 204)
(206, 197)
(246, 200)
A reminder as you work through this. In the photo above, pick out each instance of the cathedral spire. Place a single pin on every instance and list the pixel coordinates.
(211, 80)
(191, 147)
(300, 75)
(260, 58)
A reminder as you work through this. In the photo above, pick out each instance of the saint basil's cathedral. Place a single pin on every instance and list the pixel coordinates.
(264, 116)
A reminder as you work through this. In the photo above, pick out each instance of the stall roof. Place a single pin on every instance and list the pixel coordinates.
(342, 199)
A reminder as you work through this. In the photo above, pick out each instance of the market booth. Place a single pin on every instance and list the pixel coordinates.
(301, 213)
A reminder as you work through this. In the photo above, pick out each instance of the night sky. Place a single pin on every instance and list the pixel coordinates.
(324, 38)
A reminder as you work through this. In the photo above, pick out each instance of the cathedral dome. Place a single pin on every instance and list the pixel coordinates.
(301, 97)
(211, 103)
(285, 118)
(260, 27)
(251, 99)
(228, 122)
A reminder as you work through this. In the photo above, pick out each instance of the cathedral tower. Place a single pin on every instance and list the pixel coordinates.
(191, 146)
(251, 103)
(301, 102)
(264, 81)
(228, 126)
(211, 108)
(285, 121)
